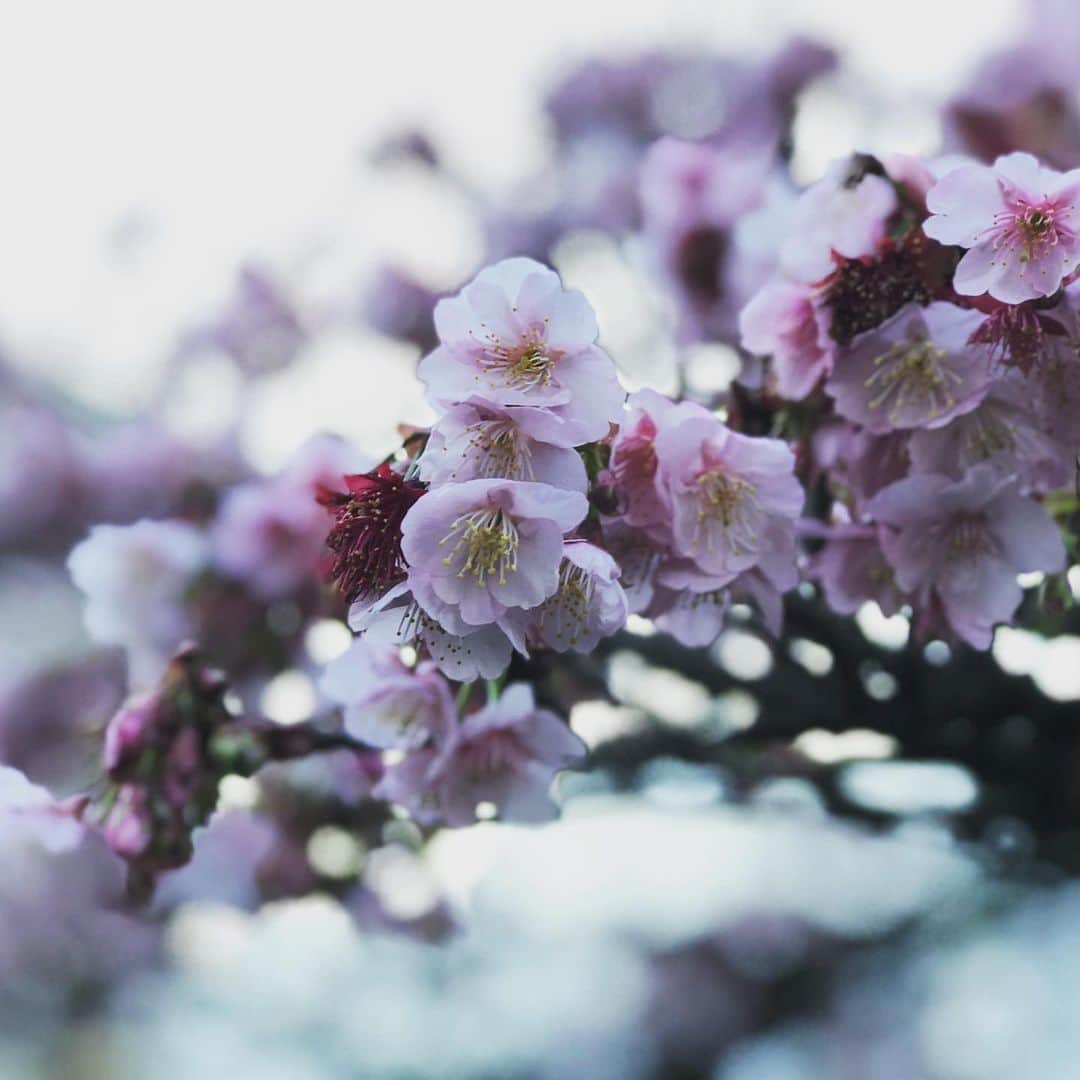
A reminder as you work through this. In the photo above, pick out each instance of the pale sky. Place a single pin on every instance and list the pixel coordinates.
(214, 130)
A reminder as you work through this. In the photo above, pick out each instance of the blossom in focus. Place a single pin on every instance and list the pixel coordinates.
(387, 704)
(506, 753)
(478, 549)
(733, 498)
(963, 542)
(514, 336)
(397, 619)
(916, 370)
(478, 441)
(588, 605)
(135, 578)
(1019, 220)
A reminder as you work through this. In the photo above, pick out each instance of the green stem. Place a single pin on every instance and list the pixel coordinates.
(464, 690)
(494, 688)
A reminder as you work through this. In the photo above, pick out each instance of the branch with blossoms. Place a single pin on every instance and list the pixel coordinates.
(902, 433)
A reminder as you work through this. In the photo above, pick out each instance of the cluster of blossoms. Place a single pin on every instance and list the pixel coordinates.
(541, 510)
(924, 319)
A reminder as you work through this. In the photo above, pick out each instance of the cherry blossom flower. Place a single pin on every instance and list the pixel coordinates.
(853, 569)
(478, 549)
(733, 498)
(1007, 429)
(692, 193)
(844, 213)
(916, 370)
(478, 441)
(588, 605)
(30, 809)
(387, 704)
(514, 336)
(786, 320)
(963, 542)
(135, 578)
(632, 468)
(271, 534)
(1019, 220)
(397, 619)
(506, 753)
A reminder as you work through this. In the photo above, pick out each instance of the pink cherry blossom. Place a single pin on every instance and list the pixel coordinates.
(135, 578)
(632, 468)
(388, 704)
(786, 320)
(853, 569)
(396, 619)
(271, 534)
(30, 810)
(915, 370)
(962, 543)
(478, 441)
(1008, 429)
(839, 214)
(483, 547)
(588, 605)
(514, 336)
(506, 753)
(733, 497)
(1019, 220)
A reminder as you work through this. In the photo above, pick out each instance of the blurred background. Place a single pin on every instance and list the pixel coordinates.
(223, 228)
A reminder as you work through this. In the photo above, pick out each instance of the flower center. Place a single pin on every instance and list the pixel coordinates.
(568, 609)
(485, 544)
(487, 758)
(912, 374)
(501, 452)
(524, 367)
(724, 496)
(1030, 228)
(967, 538)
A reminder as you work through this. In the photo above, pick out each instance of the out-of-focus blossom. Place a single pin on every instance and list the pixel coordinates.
(32, 810)
(1019, 220)
(691, 196)
(962, 543)
(388, 704)
(271, 534)
(506, 753)
(844, 213)
(398, 306)
(135, 578)
(258, 327)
